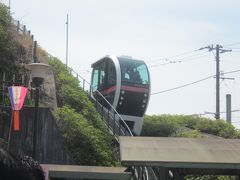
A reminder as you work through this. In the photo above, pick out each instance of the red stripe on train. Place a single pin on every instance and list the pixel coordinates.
(126, 88)
(109, 90)
(135, 89)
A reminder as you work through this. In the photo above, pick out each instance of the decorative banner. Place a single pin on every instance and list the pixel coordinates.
(17, 95)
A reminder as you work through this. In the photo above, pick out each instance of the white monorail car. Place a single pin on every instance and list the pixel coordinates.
(125, 83)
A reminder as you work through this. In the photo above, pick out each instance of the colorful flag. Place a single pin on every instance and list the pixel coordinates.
(17, 95)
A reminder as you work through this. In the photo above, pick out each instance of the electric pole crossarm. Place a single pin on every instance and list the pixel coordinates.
(219, 49)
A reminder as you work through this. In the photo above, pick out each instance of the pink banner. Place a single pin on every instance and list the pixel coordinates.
(17, 95)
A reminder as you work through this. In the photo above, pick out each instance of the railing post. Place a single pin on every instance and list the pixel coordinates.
(125, 130)
(138, 172)
(13, 80)
(24, 30)
(119, 128)
(96, 104)
(23, 79)
(102, 112)
(114, 122)
(18, 26)
(90, 90)
(3, 94)
(108, 119)
(84, 84)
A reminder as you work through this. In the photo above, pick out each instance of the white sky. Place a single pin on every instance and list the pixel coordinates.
(151, 30)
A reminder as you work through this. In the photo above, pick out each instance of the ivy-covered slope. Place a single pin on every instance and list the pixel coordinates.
(12, 52)
(84, 132)
(187, 126)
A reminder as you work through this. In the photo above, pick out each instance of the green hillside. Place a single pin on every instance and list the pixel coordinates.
(187, 126)
(84, 132)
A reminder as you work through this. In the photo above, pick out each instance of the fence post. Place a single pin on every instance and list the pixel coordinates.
(4, 79)
(35, 52)
(23, 79)
(32, 38)
(102, 112)
(108, 119)
(119, 129)
(114, 122)
(83, 84)
(24, 30)
(13, 79)
(18, 26)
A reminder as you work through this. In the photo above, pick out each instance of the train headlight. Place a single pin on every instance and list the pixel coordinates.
(123, 92)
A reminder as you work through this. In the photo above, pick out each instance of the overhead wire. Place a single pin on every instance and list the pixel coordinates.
(195, 82)
(188, 84)
(232, 44)
(177, 55)
(181, 60)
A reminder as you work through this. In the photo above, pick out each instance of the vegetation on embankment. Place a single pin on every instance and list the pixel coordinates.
(187, 126)
(12, 52)
(84, 132)
(190, 126)
(86, 135)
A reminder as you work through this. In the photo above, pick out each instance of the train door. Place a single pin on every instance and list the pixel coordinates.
(104, 80)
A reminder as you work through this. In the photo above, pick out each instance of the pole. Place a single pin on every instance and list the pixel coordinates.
(34, 150)
(217, 115)
(67, 43)
(228, 108)
(10, 131)
(35, 52)
(219, 49)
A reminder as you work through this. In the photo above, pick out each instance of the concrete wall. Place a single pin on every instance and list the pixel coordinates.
(51, 148)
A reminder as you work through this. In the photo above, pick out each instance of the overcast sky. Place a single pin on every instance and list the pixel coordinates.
(166, 34)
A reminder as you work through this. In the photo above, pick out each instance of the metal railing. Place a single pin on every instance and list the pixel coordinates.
(9, 79)
(115, 123)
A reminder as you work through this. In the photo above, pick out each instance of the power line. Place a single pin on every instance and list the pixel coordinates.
(178, 87)
(182, 60)
(232, 44)
(188, 84)
(177, 55)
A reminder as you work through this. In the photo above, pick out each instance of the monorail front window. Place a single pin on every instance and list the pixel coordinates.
(104, 79)
(133, 71)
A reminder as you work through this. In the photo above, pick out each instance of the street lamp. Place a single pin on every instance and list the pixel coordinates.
(38, 72)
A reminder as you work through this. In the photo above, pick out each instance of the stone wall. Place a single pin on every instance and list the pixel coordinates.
(51, 148)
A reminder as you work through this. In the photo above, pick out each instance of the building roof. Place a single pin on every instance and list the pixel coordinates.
(85, 172)
(180, 152)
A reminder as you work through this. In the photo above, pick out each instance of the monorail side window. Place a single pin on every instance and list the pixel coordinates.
(142, 69)
(95, 79)
(111, 75)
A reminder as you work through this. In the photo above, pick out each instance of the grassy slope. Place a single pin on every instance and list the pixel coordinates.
(85, 133)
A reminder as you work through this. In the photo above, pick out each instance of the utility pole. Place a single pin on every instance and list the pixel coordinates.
(67, 43)
(217, 115)
(219, 49)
